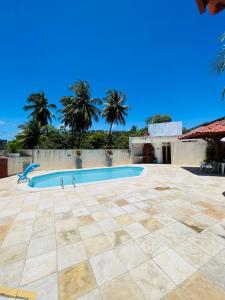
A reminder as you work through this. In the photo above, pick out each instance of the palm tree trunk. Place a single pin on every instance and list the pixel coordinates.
(110, 136)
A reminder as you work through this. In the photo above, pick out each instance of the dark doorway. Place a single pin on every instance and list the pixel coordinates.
(148, 153)
(166, 153)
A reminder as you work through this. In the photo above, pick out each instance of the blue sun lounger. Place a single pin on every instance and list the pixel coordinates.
(30, 168)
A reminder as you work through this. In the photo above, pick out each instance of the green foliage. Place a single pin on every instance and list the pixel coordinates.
(210, 153)
(13, 146)
(94, 140)
(30, 134)
(40, 108)
(158, 119)
(219, 64)
(114, 111)
(80, 110)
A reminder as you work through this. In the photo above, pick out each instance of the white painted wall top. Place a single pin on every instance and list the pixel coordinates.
(165, 129)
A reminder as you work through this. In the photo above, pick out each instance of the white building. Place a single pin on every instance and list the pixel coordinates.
(162, 145)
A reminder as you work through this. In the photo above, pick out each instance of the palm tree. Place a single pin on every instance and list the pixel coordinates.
(40, 108)
(79, 110)
(30, 135)
(114, 111)
(220, 61)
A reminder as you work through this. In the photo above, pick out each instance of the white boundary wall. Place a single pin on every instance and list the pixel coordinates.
(54, 159)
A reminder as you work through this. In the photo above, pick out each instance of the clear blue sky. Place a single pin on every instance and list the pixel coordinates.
(158, 55)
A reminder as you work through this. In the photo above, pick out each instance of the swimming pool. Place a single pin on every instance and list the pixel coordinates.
(83, 176)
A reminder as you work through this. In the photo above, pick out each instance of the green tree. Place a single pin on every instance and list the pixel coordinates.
(30, 135)
(219, 64)
(80, 110)
(95, 140)
(158, 119)
(40, 108)
(114, 111)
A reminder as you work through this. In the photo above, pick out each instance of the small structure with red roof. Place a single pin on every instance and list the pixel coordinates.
(212, 132)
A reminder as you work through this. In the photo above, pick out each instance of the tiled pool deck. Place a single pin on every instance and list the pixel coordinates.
(160, 236)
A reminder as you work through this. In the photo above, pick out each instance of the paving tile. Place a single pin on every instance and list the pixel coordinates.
(16, 237)
(106, 266)
(10, 274)
(89, 230)
(214, 272)
(121, 288)
(117, 237)
(93, 295)
(39, 266)
(70, 255)
(46, 287)
(64, 238)
(199, 287)
(108, 225)
(174, 266)
(152, 244)
(124, 220)
(152, 282)
(136, 230)
(12, 254)
(41, 245)
(96, 244)
(193, 254)
(176, 233)
(122, 202)
(151, 224)
(76, 281)
(176, 294)
(130, 254)
(86, 219)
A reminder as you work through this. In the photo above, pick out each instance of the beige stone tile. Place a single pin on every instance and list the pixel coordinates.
(130, 254)
(81, 212)
(71, 255)
(136, 230)
(124, 220)
(192, 254)
(108, 225)
(64, 238)
(153, 283)
(96, 244)
(121, 202)
(46, 287)
(215, 213)
(151, 224)
(121, 288)
(45, 230)
(10, 274)
(41, 245)
(152, 244)
(176, 233)
(93, 295)
(90, 230)
(117, 237)
(176, 294)
(76, 281)
(12, 254)
(85, 220)
(199, 287)
(100, 215)
(16, 237)
(174, 266)
(215, 272)
(106, 266)
(39, 266)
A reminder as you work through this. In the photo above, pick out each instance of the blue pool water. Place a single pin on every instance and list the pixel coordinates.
(83, 176)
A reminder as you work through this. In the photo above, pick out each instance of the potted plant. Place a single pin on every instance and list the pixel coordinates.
(78, 159)
(13, 148)
(108, 155)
